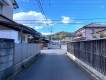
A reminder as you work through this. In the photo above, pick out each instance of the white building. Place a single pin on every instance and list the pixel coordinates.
(6, 17)
(88, 32)
(54, 44)
(101, 34)
(12, 30)
(6, 8)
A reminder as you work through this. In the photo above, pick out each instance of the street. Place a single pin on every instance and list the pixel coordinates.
(53, 65)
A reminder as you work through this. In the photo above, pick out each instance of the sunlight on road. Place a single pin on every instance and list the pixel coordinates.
(53, 51)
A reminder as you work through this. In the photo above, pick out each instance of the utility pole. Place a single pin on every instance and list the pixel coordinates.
(51, 31)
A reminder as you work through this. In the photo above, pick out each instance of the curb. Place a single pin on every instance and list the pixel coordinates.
(23, 66)
(94, 73)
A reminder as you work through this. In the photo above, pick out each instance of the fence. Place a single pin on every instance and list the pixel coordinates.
(6, 57)
(13, 56)
(25, 51)
(92, 52)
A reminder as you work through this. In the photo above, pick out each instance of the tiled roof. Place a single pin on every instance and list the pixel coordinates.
(95, 25)
(16, 26)
(92, 25)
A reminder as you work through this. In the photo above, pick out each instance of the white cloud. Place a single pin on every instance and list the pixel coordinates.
(66, 19)
(37, 27)
(33, 19)
(46, 33)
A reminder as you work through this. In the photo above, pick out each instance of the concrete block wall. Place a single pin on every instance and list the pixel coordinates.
(25, 51)
(6, 57)
(25, 54)
(14, 56)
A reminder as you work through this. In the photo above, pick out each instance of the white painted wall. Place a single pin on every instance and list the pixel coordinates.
(7, 8)
(89, 34)
(8, 11)
(10, 34)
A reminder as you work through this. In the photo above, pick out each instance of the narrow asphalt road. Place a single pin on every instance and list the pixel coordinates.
(53, 65)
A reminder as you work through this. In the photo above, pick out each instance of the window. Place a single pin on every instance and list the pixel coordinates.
(93, 31)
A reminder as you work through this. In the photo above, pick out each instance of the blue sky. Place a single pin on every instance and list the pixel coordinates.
(72, 11)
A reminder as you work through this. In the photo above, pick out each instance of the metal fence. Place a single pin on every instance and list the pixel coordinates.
(92, 52)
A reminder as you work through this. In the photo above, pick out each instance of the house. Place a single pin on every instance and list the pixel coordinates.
(6, 8)
(54, 44)
(101, 34)
(6, 16)
(88, 32)
(12, 30)
(69, 37)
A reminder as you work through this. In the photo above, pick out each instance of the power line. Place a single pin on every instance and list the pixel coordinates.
(39, 2)
(75, 3)
(60, 20)
(75, 23)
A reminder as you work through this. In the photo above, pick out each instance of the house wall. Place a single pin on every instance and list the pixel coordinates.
(102, 34)
(9, 34)
(82, 32)
(12, 34)
(68, 38)
(89, 33)
(25, 40)
(7, 9)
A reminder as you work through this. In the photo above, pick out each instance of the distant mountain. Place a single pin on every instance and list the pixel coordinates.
(60, 35)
